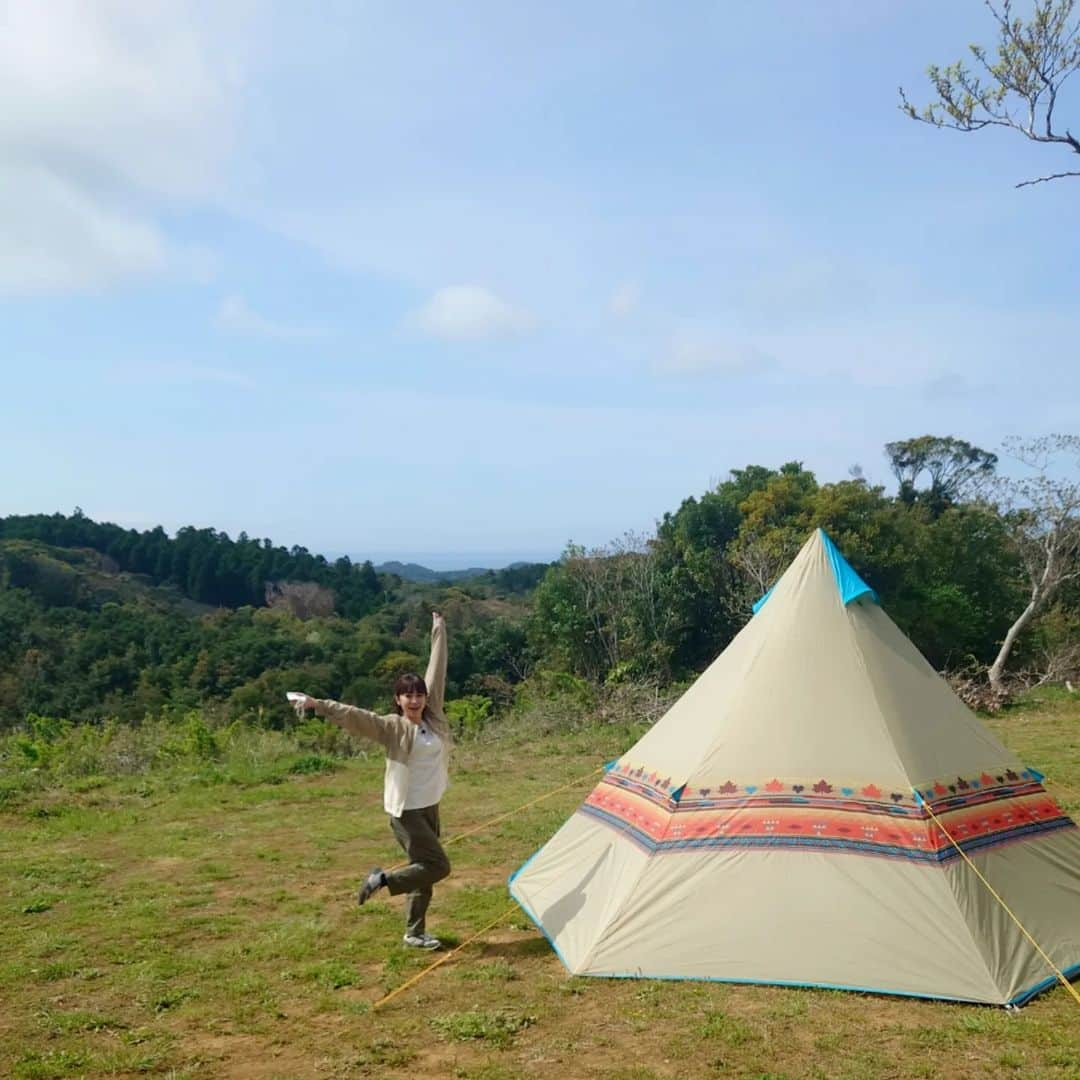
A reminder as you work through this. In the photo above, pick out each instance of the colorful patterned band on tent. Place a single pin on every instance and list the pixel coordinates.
(979, 813)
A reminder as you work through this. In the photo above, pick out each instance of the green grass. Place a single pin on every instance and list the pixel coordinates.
(198, 920)
(494, 1026)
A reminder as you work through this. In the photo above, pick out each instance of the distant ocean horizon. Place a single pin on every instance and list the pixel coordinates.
(453, 561)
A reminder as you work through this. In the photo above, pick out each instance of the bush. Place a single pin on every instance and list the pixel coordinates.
(193, 740)
(469, 715)
(312, 763)
(38, 744)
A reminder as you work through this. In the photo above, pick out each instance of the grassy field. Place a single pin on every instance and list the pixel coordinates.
(198, 919)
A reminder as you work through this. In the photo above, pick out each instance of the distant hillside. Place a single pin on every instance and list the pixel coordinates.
(204, 565)
(518, 577)
(83, 578)
(84, 640)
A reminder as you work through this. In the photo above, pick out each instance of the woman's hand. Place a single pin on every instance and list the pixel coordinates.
(301, 703)
(437, 620)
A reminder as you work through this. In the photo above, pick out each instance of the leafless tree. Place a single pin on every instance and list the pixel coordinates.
(304, 599)
(761, 560)
(1021, 89)
(1042, 509)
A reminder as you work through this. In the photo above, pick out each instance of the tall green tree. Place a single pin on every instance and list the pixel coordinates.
(702, 589)
(955, 469)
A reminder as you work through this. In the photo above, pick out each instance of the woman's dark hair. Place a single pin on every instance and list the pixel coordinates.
(408, 684)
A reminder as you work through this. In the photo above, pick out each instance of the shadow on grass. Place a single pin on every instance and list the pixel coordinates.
(521, 950)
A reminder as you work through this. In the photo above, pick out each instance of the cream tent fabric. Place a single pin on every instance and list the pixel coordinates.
(773, 826)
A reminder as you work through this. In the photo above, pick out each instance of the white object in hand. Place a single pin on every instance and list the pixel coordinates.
(297, 701)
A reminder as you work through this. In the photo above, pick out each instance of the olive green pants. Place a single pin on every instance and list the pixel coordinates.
(417, 831)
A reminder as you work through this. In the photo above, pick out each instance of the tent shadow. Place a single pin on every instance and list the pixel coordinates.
(519, 950)
(555, 918)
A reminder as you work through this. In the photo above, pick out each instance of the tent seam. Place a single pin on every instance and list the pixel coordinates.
(629, 893)
(879, 712)
(891, 742)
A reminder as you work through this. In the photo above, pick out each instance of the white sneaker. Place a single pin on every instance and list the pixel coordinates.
(422, 941)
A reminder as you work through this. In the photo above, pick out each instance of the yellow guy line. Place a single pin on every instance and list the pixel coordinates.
(511, 813)
(442, 960)
(1072, 793)
(479, 933)
(1008, 910)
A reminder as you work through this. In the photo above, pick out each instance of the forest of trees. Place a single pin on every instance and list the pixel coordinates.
(979, 569)
(203, 564)
(98, 621)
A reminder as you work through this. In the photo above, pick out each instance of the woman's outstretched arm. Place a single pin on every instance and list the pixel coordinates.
(435, 678)
(356, 721)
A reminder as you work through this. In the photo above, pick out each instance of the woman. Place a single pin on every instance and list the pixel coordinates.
(417, 741)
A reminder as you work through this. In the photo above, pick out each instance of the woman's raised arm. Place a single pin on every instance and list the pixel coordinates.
(435, 678)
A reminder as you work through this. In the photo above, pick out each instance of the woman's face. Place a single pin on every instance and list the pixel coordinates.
(412, 704)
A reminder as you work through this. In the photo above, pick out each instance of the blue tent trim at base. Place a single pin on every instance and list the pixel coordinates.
(1020, 999)
(1025, 996)
(850, 585)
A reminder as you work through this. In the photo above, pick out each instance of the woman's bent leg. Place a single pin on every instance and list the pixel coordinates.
(417, 831)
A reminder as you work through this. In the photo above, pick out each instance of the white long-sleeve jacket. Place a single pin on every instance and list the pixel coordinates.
(396, 733)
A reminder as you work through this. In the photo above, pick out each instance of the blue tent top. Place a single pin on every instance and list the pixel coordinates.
(849, 583)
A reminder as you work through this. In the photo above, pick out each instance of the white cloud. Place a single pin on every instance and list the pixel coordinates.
(471, 313)
(108, 111)
(624, 299)
(698, 353)
(57, 236)
(235, 315)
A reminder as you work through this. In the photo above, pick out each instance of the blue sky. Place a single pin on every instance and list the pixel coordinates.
(464, 282)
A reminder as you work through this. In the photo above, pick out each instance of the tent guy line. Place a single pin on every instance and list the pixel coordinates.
(513, 907)
(511, 813)
(442, 959)
(1008, 910)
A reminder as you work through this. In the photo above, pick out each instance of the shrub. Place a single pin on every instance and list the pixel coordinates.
(469, 715)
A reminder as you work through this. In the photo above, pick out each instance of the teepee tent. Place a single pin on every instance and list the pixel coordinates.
(780, 823)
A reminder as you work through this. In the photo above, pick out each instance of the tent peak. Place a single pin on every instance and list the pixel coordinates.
(848, 582)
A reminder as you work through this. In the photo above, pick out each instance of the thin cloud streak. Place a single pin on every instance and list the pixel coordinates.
(698, 354)
(237, 317)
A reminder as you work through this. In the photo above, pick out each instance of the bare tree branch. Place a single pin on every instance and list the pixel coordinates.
(1034, 59)
(1044, 179)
